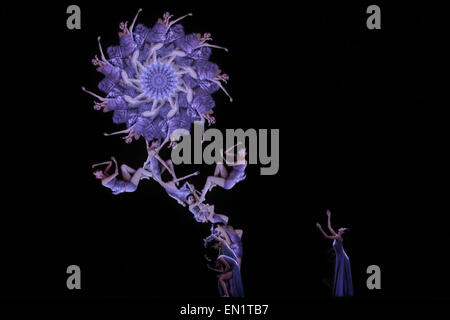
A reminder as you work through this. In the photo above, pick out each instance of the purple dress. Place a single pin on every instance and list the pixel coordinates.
(128, 116)
(237, 174)
(155, 130)
(202, 53)
(174, 33)
(178, 194)
(236, 243)
(343, 285)
(157, 33)
(140, 34)
(127, 45)
(117, 103)
(234, 284)
(118, 186)
(206, 70)
(218, 219)
(202, 101)
(150, 129)
(188, 43)
(111, 72)
(154, 165)
(180, 121)
(198, 214)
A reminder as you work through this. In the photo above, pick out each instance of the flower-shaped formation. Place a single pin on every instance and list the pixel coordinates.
(158, 81)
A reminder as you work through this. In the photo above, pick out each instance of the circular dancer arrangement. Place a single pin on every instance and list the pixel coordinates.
(158, 82)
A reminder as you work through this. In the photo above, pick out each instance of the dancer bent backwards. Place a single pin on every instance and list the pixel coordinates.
(130, 177)
(343, 285)
(222, 177)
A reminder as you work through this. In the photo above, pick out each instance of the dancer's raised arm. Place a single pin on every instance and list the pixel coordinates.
(107, 179)
(323, 232)
(102, 55)
(170, 23)
(134, 21)
(329, 223)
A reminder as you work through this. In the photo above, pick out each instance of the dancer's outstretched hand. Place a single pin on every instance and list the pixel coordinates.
(328, 212)
(318, 225)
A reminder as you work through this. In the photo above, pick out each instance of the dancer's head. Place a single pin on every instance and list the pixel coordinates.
(190, 199)
(99, 174)
(154, 144)
(96, 61)
(123, 26)
(342, 231)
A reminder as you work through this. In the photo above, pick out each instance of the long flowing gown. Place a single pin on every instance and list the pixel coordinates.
(343, 285)
(234, 284)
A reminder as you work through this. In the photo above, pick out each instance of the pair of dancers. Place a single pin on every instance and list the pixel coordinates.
(342, 284)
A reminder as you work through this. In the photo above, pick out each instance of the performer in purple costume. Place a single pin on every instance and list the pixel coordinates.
(130, 177)
(226, 179)
(233, 238)
(104, 66)
(203, 212)
(108, 104)
(150, 129)
(230, 281)
(154, 163)
(179, 194)
(209, 73)
(343, 285)
(161, 28)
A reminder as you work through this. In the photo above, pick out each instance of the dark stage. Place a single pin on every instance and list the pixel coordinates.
(363, 118)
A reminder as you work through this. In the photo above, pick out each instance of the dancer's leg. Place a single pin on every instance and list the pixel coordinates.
(127, 171)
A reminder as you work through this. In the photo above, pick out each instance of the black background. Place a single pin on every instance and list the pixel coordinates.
(363, 122)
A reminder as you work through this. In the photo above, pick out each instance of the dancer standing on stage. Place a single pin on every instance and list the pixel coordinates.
(343, 285)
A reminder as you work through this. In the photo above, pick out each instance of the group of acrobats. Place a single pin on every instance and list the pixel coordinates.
(158, 82)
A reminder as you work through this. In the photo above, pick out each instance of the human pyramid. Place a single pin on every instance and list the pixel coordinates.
(159, 82)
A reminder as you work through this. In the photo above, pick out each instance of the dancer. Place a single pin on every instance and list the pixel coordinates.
(230, 281)
(151, 129)
(209, 77)
(178, 126)
(130, 177)
(342, 285)
(159, 31)
(154, 163)
(123, 26)
(203, 212)
(233, 238)
(195, 41)
(179, 194)
(108, 104)
(104, 66)
(226, 179)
